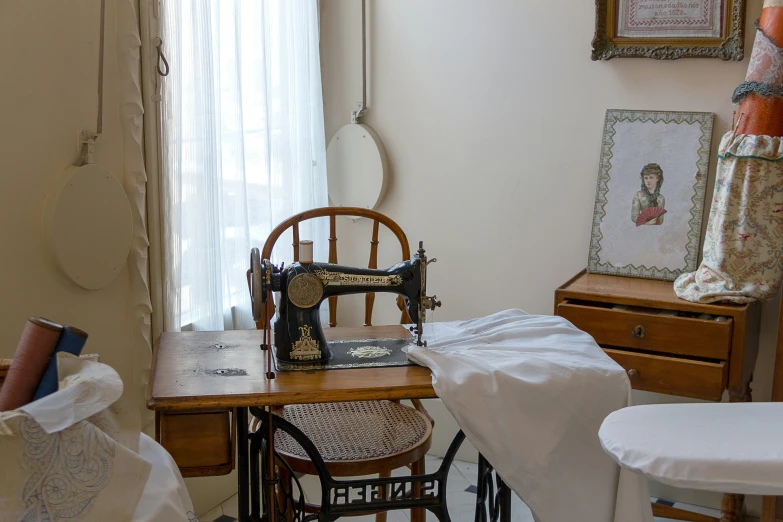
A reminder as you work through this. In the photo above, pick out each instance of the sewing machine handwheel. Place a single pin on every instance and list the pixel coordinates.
(256, 285)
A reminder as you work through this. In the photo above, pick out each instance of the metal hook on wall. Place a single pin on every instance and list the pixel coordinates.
(161, 57)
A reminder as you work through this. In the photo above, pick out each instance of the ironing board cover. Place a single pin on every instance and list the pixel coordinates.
(696, 445)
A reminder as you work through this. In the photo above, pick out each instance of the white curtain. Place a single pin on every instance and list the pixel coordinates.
(243, 147)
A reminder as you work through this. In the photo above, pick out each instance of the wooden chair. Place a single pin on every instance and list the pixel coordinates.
(351, 445)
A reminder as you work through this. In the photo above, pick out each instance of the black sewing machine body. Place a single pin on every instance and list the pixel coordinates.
(298, 335)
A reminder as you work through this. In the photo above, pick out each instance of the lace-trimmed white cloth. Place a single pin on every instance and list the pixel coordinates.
(78, 456)
(743, 246)
(530, 392)
(766, 62)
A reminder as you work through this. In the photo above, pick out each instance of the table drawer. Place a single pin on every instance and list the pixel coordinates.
(672, 375)
(655, 333)
(202, 444)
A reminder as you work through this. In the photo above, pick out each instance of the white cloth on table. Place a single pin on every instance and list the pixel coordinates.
(530, 392)
(78, 454)
(728, 448)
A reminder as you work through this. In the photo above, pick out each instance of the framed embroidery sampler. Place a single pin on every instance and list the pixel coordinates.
(669, 29)
(649, 201)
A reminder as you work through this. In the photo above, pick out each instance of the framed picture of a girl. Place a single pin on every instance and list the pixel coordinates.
(649, 204)
(641, 227)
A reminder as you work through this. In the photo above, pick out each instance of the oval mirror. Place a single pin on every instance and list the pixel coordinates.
(357, 168)
(88, 225)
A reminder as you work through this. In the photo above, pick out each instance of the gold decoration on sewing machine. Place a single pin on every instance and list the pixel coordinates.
(340, 279)
(369, 352)
(305, 290)
(306, 348)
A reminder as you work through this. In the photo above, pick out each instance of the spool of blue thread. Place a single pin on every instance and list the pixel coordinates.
(71, 341)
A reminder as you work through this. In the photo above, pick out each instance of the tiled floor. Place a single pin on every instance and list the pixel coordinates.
(461, 494)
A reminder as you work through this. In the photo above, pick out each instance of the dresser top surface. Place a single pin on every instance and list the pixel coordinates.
(636, 291)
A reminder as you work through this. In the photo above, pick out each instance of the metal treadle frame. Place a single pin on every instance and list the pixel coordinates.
(428, 491)
(493, 499)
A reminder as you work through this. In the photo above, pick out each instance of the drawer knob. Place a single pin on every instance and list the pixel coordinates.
(633, 374)
(638, 332)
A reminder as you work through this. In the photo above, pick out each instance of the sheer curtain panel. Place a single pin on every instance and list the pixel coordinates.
(243, 147)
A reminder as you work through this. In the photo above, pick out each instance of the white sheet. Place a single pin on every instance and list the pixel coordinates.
(165, 497)
(530, 392)
(728, 448)
(78, 454)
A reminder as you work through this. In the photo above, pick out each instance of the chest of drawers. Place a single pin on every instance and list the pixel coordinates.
(667, 345)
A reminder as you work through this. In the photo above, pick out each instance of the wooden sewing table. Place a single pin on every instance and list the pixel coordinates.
(199, 377)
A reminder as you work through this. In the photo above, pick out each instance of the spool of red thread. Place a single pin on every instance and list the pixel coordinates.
(33, 352)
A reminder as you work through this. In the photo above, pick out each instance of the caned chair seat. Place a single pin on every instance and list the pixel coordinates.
(354, 437)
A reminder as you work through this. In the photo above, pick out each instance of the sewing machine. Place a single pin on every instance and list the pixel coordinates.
(303, 286)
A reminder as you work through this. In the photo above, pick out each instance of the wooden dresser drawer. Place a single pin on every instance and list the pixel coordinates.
(654, 333)
(202, 444)
(672, 375)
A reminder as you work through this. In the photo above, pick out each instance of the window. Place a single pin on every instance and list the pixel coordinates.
(243, 146)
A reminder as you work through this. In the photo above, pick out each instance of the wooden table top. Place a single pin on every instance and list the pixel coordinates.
(184, 373)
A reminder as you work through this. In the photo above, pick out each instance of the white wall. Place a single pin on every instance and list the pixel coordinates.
(48, 92)
(492, 113)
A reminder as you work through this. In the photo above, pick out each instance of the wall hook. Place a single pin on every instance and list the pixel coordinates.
(161, 57)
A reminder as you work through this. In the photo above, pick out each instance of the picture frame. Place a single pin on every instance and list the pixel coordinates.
(669, 29)
(649, 203)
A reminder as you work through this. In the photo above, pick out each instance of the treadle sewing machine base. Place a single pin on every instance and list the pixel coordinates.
(493, 502)
(199, 379)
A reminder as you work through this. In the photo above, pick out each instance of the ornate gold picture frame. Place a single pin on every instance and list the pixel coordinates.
(669, 29)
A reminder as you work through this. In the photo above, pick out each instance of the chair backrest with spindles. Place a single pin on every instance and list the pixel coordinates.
(332, 212)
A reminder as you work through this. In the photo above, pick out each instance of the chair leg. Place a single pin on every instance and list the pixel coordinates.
(731, 505)
(381, 517)
(731, 508)
(419, 514)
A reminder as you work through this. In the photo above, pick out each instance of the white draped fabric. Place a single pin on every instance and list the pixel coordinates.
(78, 455)
(530, 392)
(243, 147)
